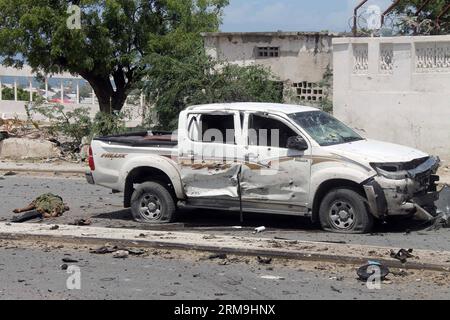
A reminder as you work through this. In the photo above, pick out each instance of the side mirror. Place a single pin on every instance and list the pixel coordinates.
(297, 143)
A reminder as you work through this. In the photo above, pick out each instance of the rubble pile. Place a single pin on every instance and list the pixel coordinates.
(21, 140)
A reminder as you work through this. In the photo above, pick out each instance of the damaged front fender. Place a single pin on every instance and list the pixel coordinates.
(404, 192)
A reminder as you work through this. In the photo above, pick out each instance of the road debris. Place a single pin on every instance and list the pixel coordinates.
(48, 205)
(402, 255)
(335, 289)
(64, 266)
(259, 230)
(81, 222)
(121, 254)
(10, 174)
(365, 272)
(221, 256)
(27, 217)
(118, 252)
(264, 260)
(55, 227)
(272, 278)
(69, 260)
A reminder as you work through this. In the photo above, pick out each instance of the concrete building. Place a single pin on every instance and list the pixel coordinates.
(299, 59)
(396, 89)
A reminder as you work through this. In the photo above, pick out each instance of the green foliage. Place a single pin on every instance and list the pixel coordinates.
(409, 8)
(178, 81)
(77, 124)
(114, 38)
(106, 124)
(22, 95)
(74, 124)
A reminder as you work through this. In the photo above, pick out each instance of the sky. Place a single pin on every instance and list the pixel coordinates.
(291, 15)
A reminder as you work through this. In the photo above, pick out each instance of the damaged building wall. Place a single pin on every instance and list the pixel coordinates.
(395, 89)
(299, 59)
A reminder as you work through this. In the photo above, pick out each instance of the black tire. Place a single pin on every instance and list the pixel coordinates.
(345, 211)
(152, 203)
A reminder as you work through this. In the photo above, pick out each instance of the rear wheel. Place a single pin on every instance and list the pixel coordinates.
(345, 211)
(152, 203)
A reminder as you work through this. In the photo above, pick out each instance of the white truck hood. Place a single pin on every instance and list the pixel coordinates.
(368, 151)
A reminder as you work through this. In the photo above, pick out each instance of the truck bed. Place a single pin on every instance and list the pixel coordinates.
(142, 139)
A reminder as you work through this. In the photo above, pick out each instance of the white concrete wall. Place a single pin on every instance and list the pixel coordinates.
(395, 89)
(303, 56)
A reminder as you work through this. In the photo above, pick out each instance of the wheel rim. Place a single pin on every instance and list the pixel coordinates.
(150, 207)
(342, 215)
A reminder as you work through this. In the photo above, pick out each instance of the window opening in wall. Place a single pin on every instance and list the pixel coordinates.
(268, 52)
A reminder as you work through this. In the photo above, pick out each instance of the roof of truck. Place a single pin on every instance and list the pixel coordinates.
(253, 106)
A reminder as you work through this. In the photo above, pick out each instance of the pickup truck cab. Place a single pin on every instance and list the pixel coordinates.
(266, 158)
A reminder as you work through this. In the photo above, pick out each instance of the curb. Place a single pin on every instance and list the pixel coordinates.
(284, 249)
(24, 169)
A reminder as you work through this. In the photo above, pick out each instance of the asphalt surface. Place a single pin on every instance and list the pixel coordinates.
(35, 273)
(105, 210)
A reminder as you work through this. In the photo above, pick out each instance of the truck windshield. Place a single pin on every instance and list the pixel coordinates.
(325, 129)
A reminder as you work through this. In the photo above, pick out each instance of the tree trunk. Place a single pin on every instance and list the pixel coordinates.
(109, 100)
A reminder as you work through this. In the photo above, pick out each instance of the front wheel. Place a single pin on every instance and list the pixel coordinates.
(345, 211)
(152, 203)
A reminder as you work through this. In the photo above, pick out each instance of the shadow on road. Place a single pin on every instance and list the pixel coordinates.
(225, 220)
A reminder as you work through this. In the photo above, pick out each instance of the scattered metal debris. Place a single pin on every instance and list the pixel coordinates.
(259, 230)
(335, 289)
(81, 222)
(273, 278)
(264, 260)
(121, 254)
(103, 250)
(367, 271)
(221, 256)
(118, 252)
(402, 255)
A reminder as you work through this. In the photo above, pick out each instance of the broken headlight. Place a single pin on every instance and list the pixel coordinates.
(404, 170)
(394, 171)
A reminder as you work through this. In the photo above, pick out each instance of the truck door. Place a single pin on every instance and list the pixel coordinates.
(208, 155)
(273, 174)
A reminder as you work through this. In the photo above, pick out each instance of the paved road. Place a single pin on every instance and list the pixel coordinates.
(35, 273)
(105, 209)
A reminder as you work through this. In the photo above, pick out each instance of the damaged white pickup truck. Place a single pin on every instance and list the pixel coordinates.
(266, 158)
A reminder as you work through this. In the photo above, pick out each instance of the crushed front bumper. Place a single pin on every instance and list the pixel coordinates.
(412, 193)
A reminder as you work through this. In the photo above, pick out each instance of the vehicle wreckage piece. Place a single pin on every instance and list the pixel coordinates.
(404, 188)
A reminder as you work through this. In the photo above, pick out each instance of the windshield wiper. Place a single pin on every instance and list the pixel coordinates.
(352, 139)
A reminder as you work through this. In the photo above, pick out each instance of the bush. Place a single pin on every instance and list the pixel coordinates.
(77, 123)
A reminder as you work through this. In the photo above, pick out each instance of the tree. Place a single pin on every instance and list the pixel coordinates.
(425, 22)
(114, 37)
(22, 95)
(176, 82)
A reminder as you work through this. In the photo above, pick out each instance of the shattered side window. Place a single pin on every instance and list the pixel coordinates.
(325, 129)
(212, 129)
(268, 132)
